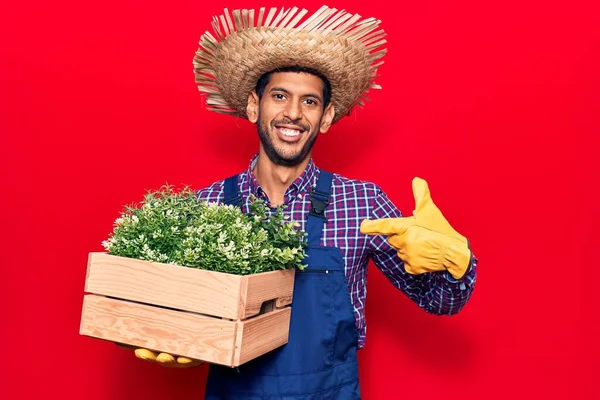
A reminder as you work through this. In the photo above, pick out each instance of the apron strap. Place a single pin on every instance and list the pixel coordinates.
(232, 191)
(319, 199)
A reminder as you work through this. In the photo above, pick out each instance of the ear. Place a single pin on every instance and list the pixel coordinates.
(252, 107)
(327, 119)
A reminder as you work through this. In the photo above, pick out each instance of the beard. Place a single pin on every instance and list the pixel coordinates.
(277, 156)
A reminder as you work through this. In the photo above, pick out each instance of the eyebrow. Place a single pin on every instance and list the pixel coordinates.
(280, 89)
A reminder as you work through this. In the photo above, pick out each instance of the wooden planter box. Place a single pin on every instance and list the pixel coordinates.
(216, 317)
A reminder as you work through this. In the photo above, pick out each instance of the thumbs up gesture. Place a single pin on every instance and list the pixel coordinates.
(425, 242)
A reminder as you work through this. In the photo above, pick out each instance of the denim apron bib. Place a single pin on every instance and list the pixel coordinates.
(319, 361)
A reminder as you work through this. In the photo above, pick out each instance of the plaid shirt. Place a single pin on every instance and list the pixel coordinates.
(353, 201)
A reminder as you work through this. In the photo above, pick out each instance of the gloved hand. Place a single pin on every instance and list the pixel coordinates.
(164, 359)
(425, 242)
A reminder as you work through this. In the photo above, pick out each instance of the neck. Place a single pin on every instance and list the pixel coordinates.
(275, 179)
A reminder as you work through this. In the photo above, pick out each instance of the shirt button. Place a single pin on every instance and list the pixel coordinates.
(300, 195)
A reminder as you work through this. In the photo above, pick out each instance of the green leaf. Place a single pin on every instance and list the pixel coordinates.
(175, 227)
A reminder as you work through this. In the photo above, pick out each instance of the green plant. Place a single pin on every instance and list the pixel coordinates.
(175, 227)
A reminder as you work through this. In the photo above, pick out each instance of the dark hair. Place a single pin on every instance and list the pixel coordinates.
(263, 81)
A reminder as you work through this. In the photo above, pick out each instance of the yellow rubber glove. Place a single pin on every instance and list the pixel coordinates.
(425, 242)
(166, 359)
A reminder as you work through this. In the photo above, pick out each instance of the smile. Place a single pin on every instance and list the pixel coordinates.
(290, 132)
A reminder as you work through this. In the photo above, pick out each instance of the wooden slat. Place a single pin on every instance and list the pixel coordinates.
(262, 334)
(182, 288)
(267, 286)
(176, 332)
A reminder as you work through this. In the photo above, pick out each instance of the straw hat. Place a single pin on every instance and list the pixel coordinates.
(340, 45)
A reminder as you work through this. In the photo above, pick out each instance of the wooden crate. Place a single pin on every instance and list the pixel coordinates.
(216, 317)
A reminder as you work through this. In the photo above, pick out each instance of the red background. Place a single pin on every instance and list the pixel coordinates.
(496, 105)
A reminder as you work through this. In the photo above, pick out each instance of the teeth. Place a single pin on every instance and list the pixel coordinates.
(289, 132)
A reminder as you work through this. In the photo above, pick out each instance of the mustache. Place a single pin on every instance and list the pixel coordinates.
(290, 123)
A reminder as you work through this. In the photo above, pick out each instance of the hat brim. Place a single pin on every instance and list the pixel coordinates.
(227, 70)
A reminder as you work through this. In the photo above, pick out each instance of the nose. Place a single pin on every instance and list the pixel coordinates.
(293, 110)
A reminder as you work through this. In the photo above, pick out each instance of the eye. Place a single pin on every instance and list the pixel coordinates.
(311, 102)
(279, 96)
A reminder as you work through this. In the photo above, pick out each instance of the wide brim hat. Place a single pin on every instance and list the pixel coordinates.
(343, 47)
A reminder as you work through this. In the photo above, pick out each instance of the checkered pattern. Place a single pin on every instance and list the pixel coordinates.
(353, 201)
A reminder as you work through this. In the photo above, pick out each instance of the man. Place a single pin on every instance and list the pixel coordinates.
(294, 84)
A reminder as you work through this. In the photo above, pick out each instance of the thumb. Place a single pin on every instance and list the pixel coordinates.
(423, 202)
(386, 226)
(421, 194)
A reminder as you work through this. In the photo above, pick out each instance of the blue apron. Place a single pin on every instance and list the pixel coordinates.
(319, 361)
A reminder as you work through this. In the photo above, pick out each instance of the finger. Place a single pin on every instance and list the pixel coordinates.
(402, 255)
(145, 354)
(421, 194)
(386, 226)
(166, 360)
(188, 362)
(397, 241)
(410, 269)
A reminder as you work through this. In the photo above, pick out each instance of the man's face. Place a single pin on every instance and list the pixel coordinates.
(289, 116)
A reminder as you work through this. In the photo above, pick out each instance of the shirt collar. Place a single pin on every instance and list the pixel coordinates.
(299, 185)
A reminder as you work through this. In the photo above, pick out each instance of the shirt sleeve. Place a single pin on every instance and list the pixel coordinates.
(435, 292)
(212, 193)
